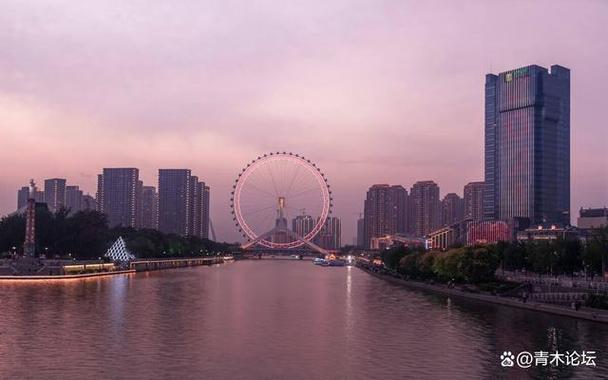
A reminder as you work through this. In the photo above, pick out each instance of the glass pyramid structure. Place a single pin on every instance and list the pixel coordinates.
(119, 252)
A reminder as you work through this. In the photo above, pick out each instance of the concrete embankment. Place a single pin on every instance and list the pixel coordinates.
(590, 314)
(150, 265)
(135, 266)
(65, 276)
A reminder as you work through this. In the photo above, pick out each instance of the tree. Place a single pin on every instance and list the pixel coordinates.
(512, 254)
(12, 233)
(568, 255)
(392, 256)
(86, 235)
(483, 264)
(541, 256)
(595, 253)
(408, 264)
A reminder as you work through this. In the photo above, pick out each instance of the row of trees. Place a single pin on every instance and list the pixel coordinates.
(86, 235)
(478, 264)
(468, 264)
(557, 256)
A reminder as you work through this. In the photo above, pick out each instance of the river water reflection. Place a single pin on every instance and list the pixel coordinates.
(271, 320)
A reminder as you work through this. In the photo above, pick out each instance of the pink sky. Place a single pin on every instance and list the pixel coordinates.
(372, 91)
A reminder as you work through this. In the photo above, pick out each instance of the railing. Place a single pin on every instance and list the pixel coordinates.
(596, 283)
(158, 264)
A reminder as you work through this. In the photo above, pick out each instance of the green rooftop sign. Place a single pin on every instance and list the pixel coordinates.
(522, 72)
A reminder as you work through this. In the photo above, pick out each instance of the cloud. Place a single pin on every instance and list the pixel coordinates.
(371, 91)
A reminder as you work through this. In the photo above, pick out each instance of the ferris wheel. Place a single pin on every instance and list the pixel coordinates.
(275, 190)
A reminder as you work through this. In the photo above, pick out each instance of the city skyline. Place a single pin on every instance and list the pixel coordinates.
(373, 120)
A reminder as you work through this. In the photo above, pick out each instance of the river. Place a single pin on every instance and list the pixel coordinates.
(272, 319)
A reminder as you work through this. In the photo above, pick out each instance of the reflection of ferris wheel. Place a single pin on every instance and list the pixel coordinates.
(272, 190)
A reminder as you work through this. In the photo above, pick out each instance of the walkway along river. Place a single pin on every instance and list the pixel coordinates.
(272, 320)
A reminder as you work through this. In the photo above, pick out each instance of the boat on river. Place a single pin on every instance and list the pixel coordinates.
(319, 261)
(333, 262)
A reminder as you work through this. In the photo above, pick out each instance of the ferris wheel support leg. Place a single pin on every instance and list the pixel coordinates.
(307, 243)
(258, 239)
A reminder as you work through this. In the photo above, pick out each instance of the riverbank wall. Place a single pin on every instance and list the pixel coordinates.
(134, 267)
(589, 314)
(65, 276)
(152, 265)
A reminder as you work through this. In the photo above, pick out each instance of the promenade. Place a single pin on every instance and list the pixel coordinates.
(63, 270)
(593, 283)
(590, 314)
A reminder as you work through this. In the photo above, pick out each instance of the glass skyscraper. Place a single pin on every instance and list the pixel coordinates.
(527, 145)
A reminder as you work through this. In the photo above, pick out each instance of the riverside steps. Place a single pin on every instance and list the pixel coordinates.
(155, 264)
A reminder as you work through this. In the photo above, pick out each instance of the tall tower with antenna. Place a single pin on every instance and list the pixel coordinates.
(29, 246)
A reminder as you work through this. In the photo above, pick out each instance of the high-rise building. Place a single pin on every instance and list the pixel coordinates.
(89, 202)
(424, 199)
(54, 193)
(99, 193)
(527, 145)
(452, 209)
(73, 199)
(117, 195)
(29, 245)
(385, 212)
(397, 208)
(23, 195)
(139, 188)
(199, 208)
(330, 235)
(205, 222)
(196, 206)
(149, 207)
(473, 201)
(174, 201)
(361, 232)
(302, 224)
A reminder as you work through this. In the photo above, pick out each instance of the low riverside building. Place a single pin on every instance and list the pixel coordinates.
(388, 241)
(470, 232)
(549, 232)
(592, 218)
(449, 236)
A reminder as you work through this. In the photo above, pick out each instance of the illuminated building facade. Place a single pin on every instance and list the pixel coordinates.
(488, 232)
